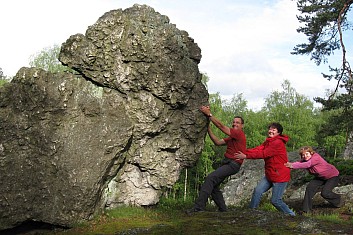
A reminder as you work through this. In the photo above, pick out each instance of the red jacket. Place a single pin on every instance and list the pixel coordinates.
(274, 152)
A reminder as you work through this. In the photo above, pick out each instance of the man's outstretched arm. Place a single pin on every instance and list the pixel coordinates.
(206, 111)
(214, 138)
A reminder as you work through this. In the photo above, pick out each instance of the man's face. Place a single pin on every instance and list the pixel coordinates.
(237, 124)
(272, 132)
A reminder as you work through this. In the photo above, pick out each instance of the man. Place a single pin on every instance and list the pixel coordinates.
(235, 142)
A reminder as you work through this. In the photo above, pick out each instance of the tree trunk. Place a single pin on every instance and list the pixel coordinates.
(348, 151)
(185, 183)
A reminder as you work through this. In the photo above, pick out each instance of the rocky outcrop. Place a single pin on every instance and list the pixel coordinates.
(116, 132)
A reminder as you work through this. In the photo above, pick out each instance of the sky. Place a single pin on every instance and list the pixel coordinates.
(245, 45)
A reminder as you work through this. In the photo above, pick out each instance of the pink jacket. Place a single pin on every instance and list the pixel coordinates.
(317, 166)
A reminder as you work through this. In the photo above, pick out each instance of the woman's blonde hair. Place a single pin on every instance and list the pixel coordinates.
(305, 149)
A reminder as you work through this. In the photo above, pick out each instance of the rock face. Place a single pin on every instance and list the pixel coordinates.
(117, 132)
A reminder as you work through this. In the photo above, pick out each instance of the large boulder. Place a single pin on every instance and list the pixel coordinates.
(117, 131)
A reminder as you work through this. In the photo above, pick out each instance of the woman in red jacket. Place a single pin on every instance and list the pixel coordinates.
(277, 175)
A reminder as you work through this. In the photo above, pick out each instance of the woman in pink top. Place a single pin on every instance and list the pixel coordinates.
(326, 176)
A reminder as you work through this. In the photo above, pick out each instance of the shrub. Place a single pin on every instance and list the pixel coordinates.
(345, 167)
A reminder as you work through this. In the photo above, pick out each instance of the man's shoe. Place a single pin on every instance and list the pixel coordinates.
(193, 211)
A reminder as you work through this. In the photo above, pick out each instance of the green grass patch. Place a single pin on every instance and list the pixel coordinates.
(128, 211)
(169, 213)
(120, 219)
(267, 206)
(334, 217)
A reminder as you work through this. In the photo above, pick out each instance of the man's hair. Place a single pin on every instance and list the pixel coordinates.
(276, 125)
(242, 120)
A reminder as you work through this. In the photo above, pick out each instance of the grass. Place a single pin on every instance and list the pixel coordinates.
(130, 217)
(334, 218)
(266, 206)
(169, 218)
(120, 219)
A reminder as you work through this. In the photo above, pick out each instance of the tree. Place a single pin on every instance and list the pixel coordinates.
(333, 139)
(47, 59)
(333, 144)
(3, 79)
(204, 79)
(237, 105)
(295, 113)
(255, 127)
(226, 117)
(255, 122)
(325, 23)
(1, 74)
